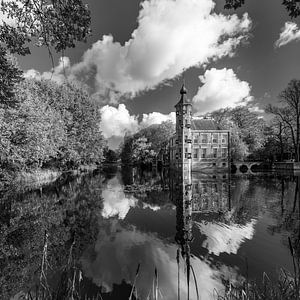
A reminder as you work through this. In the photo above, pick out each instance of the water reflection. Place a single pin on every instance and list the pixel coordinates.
(206, 225)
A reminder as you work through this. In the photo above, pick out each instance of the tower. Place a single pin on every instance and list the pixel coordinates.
(184, 132)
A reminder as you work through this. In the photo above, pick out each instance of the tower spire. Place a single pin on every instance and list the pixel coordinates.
(183, 89)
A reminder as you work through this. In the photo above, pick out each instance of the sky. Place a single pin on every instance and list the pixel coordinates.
(139, 50)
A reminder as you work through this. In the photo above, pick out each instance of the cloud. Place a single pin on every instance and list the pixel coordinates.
(119, 249)
(59, 74)
(115, 201)
(116, 122)
(221, 88)
(222, 238)
(171, 36)
(157, 118)
(290, 32)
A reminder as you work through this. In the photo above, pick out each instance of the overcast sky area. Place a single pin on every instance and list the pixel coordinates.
(139, 50)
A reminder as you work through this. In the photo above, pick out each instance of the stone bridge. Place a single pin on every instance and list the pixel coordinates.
(248, 167)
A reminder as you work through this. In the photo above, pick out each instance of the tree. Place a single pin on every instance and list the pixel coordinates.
(289, 113)
(10, 74)
(292, 6)
(110, 155)
(147, 142)
(247, 130)
(142, 152)
(56, 23)
(158, 134)
(53, 124)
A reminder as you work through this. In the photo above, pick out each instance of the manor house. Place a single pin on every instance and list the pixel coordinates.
(199, 143)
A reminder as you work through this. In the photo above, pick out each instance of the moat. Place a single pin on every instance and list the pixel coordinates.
(120, 223)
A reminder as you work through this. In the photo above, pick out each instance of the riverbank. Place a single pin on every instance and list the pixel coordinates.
(40, 177)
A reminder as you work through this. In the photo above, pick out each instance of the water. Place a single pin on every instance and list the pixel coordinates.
(114, 221)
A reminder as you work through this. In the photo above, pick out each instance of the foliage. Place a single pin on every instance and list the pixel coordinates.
(158, 134)
(9, 76)
(55, 23)
(289, 113)
(247, 130)
(53, 124)
(146, 144)
(292, 6)
(142, 150)
(68, 211)
(110, 155)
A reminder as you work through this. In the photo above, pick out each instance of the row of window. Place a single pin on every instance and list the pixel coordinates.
(201, 153)
(196, 141)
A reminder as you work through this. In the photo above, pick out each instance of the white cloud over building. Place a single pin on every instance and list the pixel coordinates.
(221, 88)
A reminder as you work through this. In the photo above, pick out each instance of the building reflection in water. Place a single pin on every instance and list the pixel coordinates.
(194, 194)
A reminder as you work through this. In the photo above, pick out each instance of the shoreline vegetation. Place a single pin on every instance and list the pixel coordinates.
(42, 177)
(286, 285)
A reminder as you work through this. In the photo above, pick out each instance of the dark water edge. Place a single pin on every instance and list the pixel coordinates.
(102, 225)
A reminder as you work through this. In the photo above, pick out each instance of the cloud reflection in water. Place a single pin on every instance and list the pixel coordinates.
(221, 237)
(118, 251)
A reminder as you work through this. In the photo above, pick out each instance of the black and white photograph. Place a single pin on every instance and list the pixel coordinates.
(150, 150)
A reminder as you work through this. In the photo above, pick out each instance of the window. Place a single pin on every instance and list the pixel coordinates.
(215, 152)
(195, 141)
(224, 138)
(224, 152)
(203, 152)
(215, 138)
(186, 150)
(204, 138)
(195, 153)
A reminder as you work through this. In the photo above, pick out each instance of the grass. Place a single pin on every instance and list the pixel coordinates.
(286, 287)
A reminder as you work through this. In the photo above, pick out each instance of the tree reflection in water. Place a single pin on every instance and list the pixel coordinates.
(121, 219)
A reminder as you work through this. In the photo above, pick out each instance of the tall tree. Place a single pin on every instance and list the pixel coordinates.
(50, 23)
(53, 124)
(289, 113)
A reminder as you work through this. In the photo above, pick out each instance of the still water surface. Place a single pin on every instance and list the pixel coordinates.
(116, 220)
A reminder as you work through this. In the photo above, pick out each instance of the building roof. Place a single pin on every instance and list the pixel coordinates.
(205, 124)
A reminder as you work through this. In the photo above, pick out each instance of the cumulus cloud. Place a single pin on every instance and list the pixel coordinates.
(116, 122)
(290, 32)
(157, 118)
(171, 36)
(221, 88)
(58, 74)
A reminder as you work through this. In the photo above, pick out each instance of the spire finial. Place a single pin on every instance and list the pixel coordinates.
(183, 89)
